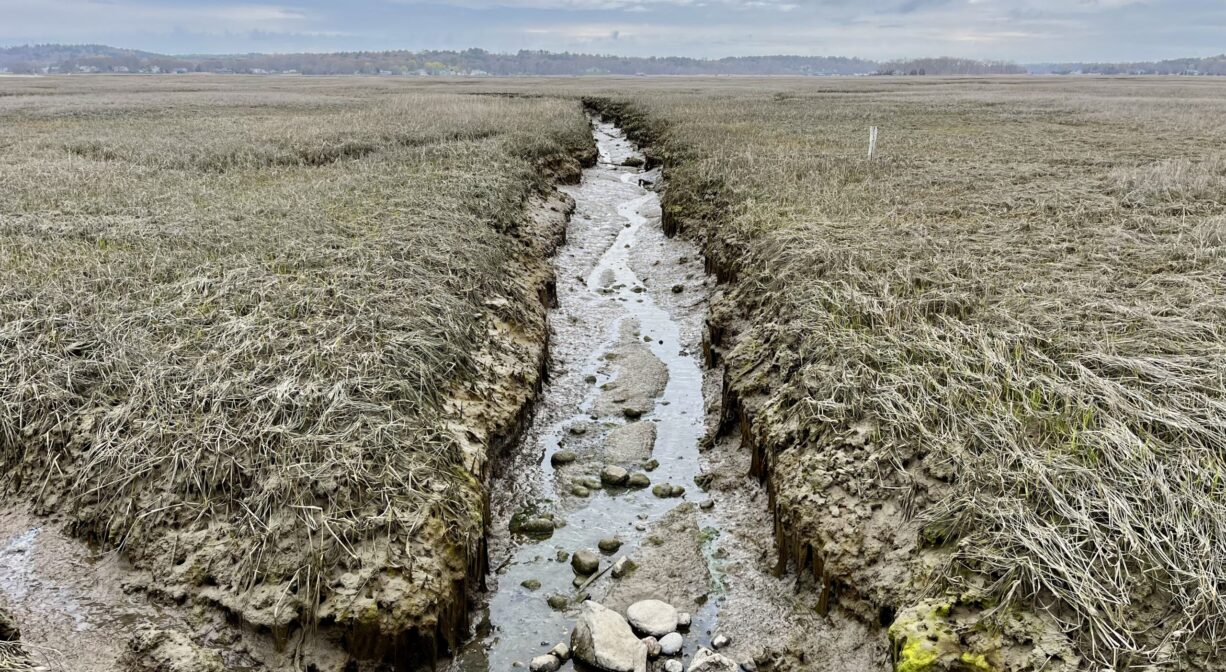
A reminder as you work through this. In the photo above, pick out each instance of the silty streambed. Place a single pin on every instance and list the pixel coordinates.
(625, 389)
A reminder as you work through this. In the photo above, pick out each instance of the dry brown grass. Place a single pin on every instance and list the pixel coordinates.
(232, 311)
(1025, 295)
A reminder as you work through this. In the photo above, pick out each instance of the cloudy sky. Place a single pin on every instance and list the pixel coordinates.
(1020, 30)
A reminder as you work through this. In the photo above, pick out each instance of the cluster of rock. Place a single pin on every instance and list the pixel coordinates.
(651, 629)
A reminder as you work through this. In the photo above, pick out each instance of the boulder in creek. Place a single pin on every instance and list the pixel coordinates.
(603, 639)
(614, 475)
(585, 561)
(707, 660)
(563, 457)
(670, 644)
(609, 545)
(545, 663)
(652, 617)
(622, 567)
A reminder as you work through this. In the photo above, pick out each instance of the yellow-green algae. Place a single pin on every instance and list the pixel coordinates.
(923, 640)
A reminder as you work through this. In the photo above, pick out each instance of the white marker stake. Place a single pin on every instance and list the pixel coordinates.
(872, 141)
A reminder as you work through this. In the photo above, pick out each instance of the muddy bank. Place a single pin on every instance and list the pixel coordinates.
(89, 608)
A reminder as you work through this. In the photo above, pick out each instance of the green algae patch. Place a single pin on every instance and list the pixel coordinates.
(926, 638)
(922, 638)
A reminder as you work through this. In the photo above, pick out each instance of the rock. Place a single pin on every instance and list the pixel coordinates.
(652, 617)
(531, 584)
(684, 619)
(563, 457)
(589, 379)
(622, 567)
(638, 480)
(707, 660)
(749, 666)
(561, 556)
(557, 602)
(653, 647)
(609, 545)
(614, 475)
(673, 665)
(545, 663)
(536, 526)
(707, 504)
(677, 289)
(578, 429)
(664, 490)
(632, 412)
(590, 483)
(585, 562)
(561, 651)
(720, 642)
(652, 464)
(580, 491)
(670, 644)
(603, 639)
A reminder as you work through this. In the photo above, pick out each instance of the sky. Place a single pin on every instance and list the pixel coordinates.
(1025, 31)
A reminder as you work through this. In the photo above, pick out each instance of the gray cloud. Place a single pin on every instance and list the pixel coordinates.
(1023, 30)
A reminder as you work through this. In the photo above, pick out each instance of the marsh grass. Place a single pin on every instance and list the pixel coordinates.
(1026, 294)
(231, 315)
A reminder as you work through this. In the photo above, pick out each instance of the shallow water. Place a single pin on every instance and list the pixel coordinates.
(603, 306)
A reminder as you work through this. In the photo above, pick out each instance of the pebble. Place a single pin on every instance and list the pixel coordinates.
(653, 647)
(531, 584)
(538, 526)
(614, 475)
(652, 617)
(664, 490)
(684, 619)
(561, 556)
(590, 380)
(609, 545)
(670, 644)
(557, 602)
(622, 567)
(651, 465)
(719, 642)
(585, 561)
(632, 413)
(563, 457)
(677, 289)
(545, 663)
(673, 665)
(707, 504)
(580, 491)
(561, 651)
(638, 480)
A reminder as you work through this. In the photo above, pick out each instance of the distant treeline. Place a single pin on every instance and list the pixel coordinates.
(97, 58)
(91, 58)
(1213, 65)
(949, 66)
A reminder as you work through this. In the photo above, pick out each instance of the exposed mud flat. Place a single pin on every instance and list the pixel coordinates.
(627, 389)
